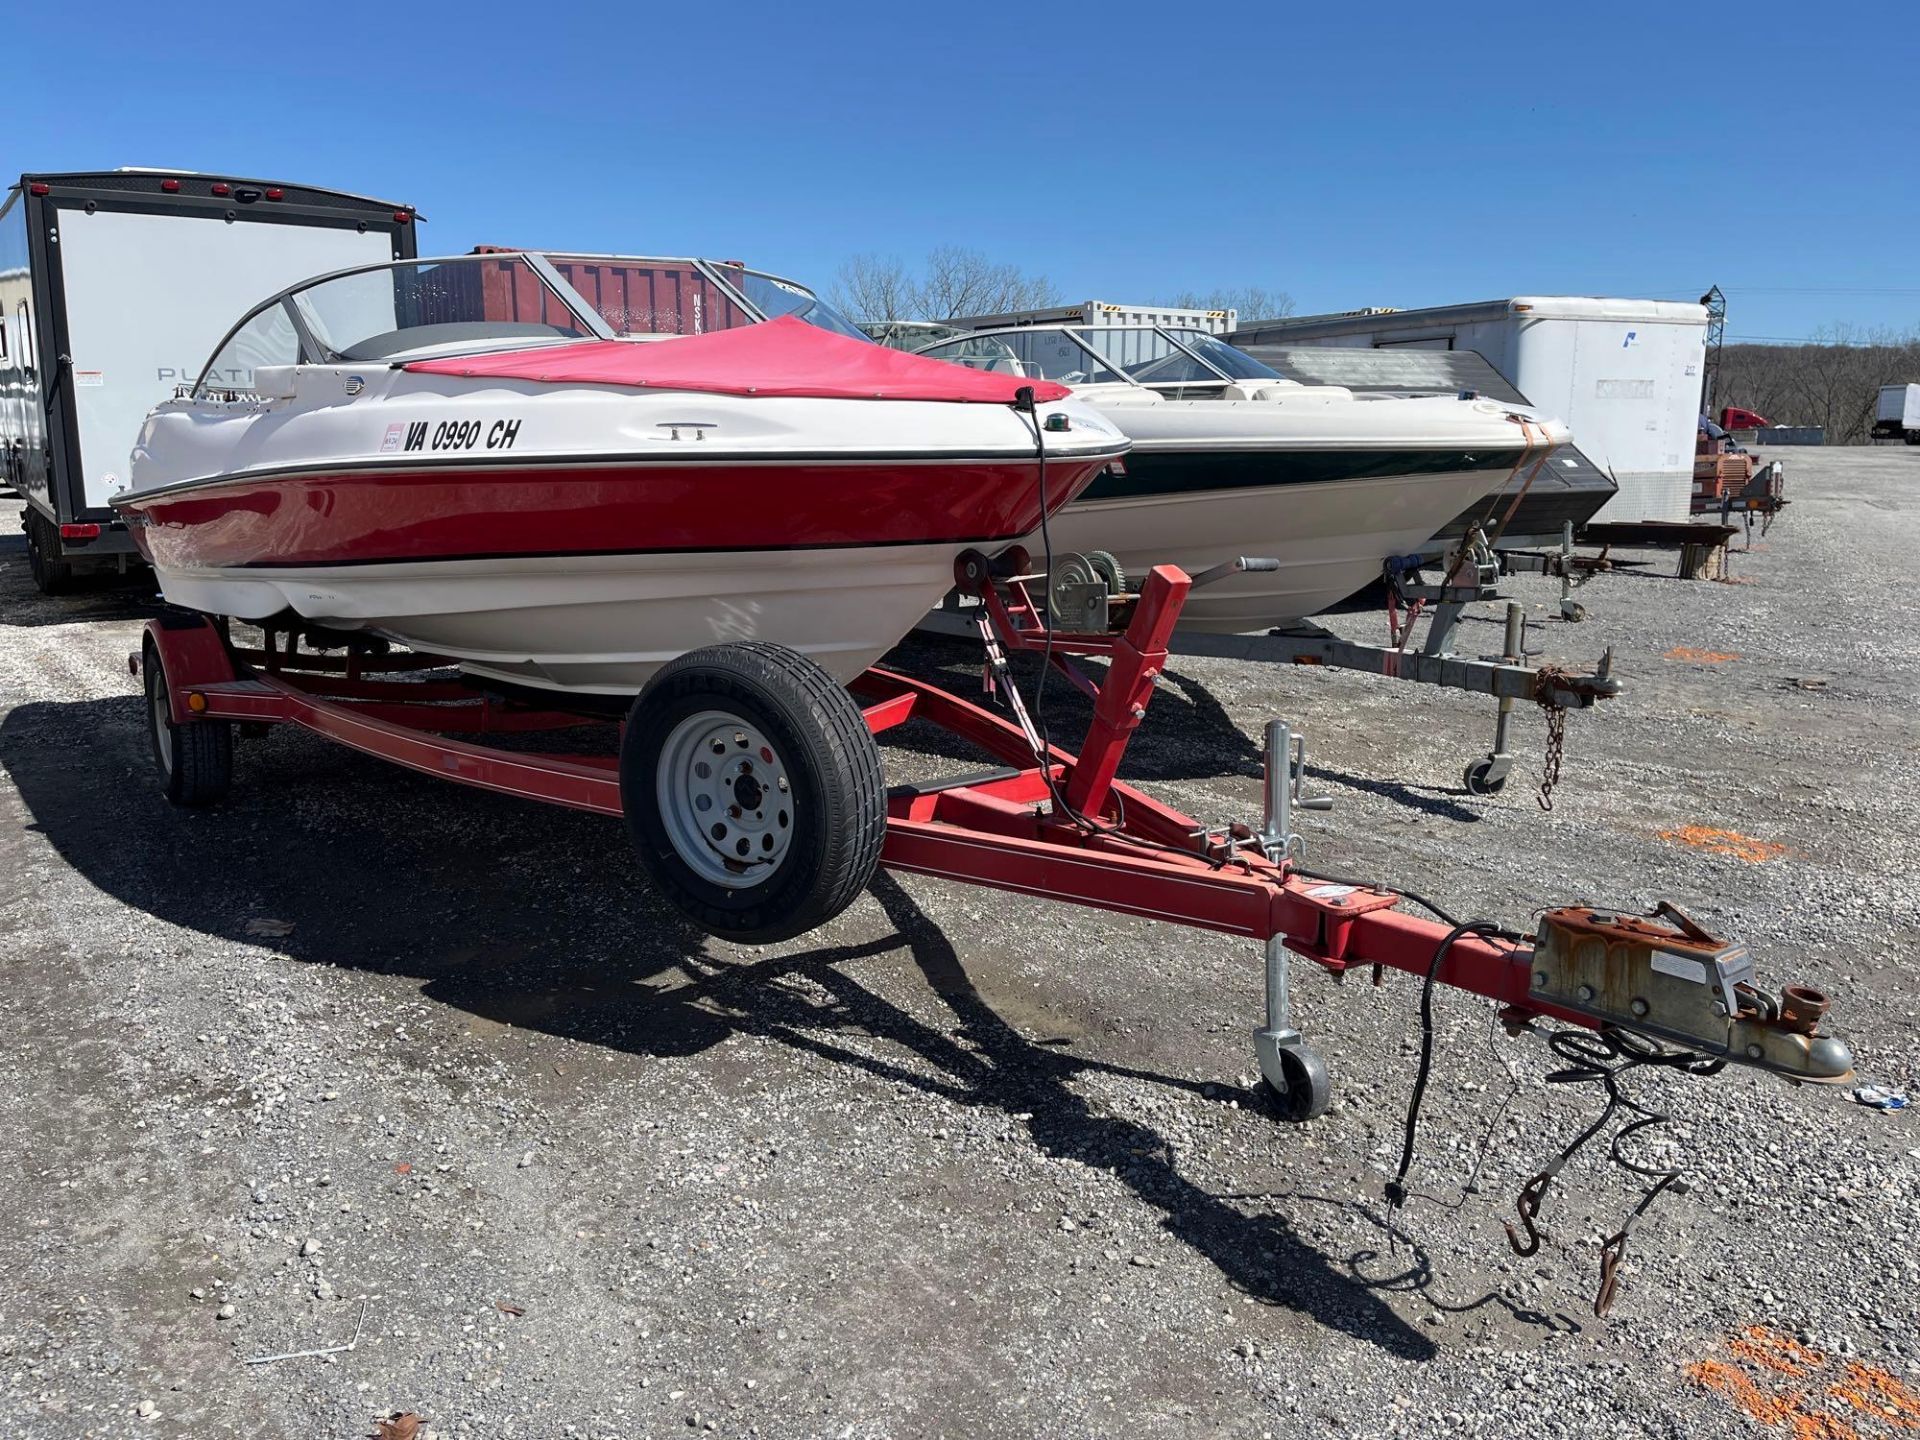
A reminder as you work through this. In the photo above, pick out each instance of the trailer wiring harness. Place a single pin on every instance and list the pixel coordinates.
(1602, 1058)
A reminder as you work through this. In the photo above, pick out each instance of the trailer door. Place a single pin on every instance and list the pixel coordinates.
(147, 298)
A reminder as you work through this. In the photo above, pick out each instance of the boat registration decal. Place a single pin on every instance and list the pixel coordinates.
(451, 435)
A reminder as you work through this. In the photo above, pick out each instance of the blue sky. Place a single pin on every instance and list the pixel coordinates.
(1358, 154)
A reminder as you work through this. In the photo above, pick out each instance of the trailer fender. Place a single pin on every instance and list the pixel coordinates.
(191, 652)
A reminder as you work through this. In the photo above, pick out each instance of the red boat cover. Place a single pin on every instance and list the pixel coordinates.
(786, 356)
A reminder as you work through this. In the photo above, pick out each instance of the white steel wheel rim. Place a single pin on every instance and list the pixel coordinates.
(726, 799)
(163, 726)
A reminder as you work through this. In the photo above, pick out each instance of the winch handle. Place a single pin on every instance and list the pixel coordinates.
(1244, 564)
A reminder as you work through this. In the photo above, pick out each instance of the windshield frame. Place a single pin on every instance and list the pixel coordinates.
(1201, 355)
(1099, 361)
(719, 273)
(1078, 335)
(1172, 337)
(847, 327)
(312, 352)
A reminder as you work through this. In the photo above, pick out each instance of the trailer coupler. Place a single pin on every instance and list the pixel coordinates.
(1678, 983)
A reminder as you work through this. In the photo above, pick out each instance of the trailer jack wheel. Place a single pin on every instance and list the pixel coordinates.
(1303, 1089)
(1488, 776)
(1293, 1074)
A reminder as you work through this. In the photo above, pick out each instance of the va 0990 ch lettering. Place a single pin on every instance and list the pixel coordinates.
(462, 434)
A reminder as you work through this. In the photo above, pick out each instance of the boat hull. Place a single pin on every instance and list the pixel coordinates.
(591, 576)
(602, 623)
(1330, 535)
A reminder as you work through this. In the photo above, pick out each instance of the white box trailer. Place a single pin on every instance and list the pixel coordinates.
(1624, 374)
(115, 287)
(1896, 414)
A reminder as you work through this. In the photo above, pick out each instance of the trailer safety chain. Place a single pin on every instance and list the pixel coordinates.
(1556, 750)
(1552, 676)
(1603, 1058)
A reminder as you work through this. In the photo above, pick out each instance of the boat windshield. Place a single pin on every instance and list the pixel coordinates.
(404, 311)
(1235, 364)
(775, 297)
(910, 334)
(1156, 357)
(1035, 354)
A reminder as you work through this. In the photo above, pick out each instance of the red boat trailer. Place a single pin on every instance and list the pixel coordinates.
(1068, 830)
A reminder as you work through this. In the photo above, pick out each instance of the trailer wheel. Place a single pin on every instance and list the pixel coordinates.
(195, 760)
(752, 789)
(1481, 780)
(51, 574)
(1308, 1089)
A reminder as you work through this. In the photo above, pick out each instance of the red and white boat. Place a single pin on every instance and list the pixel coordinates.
(459, 455)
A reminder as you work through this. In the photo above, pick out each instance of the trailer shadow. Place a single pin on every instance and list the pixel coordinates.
(535, 917)
(1187, 734)
(93, 597)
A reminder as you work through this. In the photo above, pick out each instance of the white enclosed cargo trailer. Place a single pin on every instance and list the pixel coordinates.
(115, 286)
(1896, 414)
(1624, 374)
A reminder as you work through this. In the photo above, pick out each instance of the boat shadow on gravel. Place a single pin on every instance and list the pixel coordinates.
(534, 917)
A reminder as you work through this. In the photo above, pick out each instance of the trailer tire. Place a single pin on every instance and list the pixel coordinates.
(753, 792)
(195, 760)
(51, 574)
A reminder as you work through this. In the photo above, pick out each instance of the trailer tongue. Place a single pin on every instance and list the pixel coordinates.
(1062, 826)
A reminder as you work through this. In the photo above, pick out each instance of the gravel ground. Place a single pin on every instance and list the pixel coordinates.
(960, 1163)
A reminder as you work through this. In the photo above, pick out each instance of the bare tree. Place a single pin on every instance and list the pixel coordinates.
(956, 281)
(1250, 302)
(959, 281)
(1831, 382)
(873, 287)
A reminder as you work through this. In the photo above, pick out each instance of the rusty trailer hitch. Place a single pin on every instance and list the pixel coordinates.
(1678, 983)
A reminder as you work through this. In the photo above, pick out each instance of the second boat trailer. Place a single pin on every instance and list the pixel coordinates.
(1045, 823)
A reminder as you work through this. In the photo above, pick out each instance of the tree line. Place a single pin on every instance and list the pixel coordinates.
(1832, 382)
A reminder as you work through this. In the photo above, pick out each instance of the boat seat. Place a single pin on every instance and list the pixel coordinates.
(1289, 390)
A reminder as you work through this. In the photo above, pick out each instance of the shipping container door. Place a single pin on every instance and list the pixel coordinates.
(149, 296)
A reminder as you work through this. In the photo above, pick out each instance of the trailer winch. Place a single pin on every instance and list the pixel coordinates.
(1046, 822)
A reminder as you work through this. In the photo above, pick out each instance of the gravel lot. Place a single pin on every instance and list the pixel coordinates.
(960, 1163)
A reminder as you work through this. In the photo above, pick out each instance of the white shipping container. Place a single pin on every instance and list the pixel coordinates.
(1103, 314)
(1624, 374)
